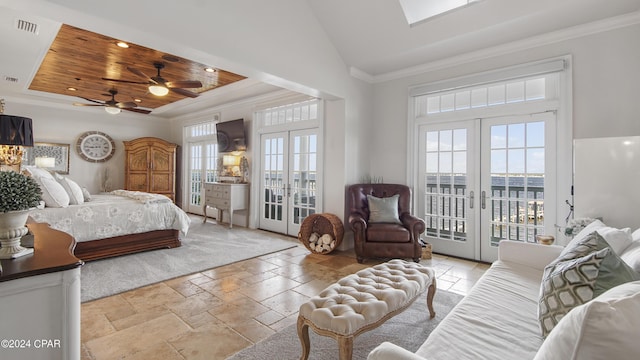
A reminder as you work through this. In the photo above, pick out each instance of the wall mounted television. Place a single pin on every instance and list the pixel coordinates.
(231, 136)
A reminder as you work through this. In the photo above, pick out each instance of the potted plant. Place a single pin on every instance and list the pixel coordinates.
(18, 194)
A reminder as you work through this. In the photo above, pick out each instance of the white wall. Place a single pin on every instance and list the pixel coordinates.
(606, 83)
(62, 125)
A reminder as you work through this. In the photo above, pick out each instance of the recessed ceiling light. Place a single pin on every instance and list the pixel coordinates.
(71, 88)
(209, 69)
(137, 100)
(122, 44)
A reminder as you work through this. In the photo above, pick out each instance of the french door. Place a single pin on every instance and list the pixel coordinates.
(290, 180)
(202, 168)
(485, 180)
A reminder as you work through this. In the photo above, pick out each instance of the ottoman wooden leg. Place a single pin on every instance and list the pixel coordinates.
(431, 292)
(303, 334)
(346, 347)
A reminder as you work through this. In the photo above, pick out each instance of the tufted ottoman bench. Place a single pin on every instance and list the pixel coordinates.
(363, 301)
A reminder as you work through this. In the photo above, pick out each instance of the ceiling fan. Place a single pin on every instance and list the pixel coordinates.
(112, 106)
(159, 86)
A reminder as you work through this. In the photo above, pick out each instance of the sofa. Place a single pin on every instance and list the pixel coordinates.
(500, 317)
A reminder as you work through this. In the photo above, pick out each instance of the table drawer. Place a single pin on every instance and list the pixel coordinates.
(218, 203)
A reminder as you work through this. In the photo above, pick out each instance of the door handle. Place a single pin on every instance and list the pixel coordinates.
(483, 200)
(471, 200)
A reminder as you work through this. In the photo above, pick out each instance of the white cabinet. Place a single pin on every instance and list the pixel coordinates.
(40, 300)
(229, 197)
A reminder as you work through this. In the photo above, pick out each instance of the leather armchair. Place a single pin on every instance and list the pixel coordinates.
(384, 240)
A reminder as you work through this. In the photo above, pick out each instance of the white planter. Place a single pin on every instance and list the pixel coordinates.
(12, 228)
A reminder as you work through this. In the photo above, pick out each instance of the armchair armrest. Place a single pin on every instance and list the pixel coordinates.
(413, 223)
(389, 351)
(357, 222)
(536, 256)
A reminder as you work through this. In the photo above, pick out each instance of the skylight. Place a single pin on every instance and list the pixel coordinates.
(419, 10)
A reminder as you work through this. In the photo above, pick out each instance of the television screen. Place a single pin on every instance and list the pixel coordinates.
(231, 136)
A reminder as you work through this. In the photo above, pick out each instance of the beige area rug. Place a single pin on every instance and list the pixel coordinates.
(408, 329)
(206, 246)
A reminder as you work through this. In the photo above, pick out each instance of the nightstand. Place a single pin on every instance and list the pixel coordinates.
(223, 196)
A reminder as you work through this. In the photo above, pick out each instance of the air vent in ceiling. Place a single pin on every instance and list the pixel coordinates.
(10, 79)
(27, 26)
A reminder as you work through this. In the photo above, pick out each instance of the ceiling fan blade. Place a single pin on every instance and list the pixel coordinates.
(139, 73)
(91, 100)
(183, 84)
(83, 104)
(126, 105)
(141, 111)
(127, 81)
(184, 92)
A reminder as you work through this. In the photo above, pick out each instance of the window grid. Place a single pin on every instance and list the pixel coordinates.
(290, 113)
(495, 94)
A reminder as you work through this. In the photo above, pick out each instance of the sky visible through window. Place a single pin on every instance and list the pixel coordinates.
(419, 10)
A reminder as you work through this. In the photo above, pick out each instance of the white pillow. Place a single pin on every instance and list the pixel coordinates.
(603, 328)
(37, 173)
(636, 235)
(631, 255)
(72, 188)
(618, 239)
(53, 193)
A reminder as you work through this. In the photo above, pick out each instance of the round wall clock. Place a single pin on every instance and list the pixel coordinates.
(95, 146)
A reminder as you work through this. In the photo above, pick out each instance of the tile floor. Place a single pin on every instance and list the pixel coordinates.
(216, 313)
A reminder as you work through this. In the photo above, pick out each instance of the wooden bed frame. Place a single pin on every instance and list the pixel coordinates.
(127, 244)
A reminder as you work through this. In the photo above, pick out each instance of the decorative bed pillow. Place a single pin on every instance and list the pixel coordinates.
(618, 239)
(86, 194)
(599, 329)
(583, 272)
(72, 188)
(53, 193)
(36, 172)
(383, 210)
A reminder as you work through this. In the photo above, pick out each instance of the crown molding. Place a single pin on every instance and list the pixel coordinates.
(515, 46)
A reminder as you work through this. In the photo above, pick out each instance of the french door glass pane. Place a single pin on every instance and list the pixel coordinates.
(446, 184)
(273, 178)
(517, 181)
(196, 174)
(303, 189)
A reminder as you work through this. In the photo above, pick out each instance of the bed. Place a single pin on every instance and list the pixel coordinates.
(118, 223)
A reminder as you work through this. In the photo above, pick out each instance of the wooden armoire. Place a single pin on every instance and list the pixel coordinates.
(150, 166)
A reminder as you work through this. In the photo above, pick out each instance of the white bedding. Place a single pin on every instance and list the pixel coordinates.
(108, 215)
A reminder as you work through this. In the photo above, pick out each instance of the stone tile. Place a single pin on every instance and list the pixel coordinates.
(152, 295)
(94, 326)
(161, 351)
(286, 303)
(312, 288)
(140, 317)
(289, 320)
(253, 330)
(270, 317)
(209, 342)
(137, 338)
(268, 288)
(185, 287)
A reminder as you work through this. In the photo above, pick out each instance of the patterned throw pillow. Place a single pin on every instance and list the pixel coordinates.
(580, 274)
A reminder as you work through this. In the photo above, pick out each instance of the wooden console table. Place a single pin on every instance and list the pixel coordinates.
(225, 196)
(40, 299)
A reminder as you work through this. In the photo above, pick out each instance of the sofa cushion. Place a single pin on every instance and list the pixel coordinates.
(618, 239)
(580, 273)
(500, 309)
(599, 329)
(383, 210)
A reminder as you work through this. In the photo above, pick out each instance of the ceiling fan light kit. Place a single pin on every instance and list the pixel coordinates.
(158, 90)
(112, 110)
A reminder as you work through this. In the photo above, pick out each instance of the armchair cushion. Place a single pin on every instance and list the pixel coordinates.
(383, 210)
(388, 233)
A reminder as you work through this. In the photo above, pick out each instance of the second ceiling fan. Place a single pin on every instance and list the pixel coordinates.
(159, 86)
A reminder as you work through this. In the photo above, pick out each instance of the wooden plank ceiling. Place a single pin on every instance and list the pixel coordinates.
(80, 59)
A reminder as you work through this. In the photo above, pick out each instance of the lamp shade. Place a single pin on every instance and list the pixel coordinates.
(16, 130)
